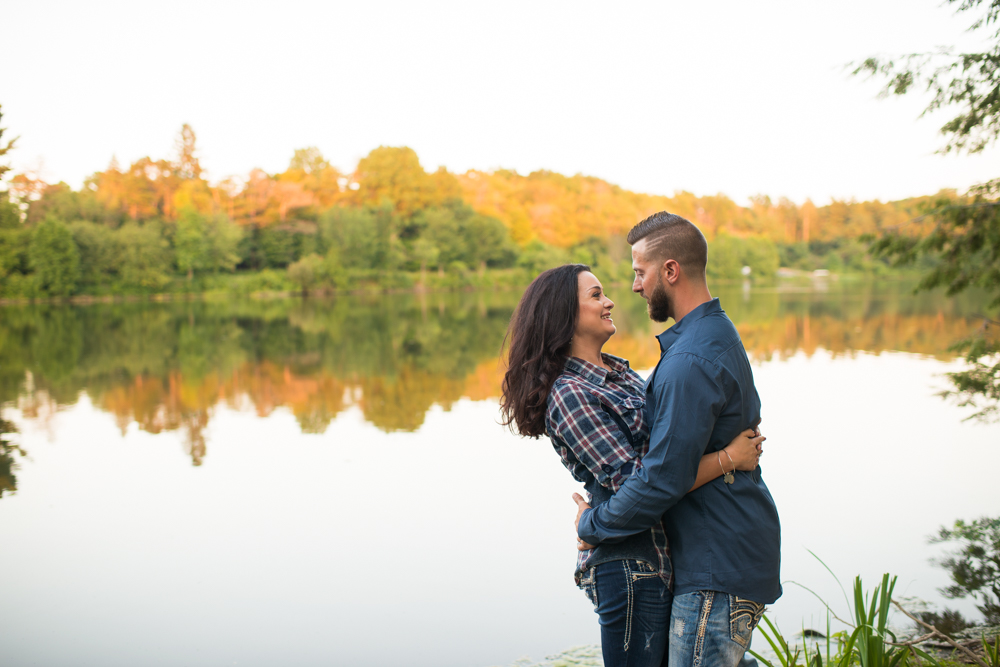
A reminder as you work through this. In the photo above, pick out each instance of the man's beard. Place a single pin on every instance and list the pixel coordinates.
(659, 305)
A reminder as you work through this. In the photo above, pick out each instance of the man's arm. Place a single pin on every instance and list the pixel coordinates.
(688, 398)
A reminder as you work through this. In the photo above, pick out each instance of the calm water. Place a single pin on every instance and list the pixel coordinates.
(325, 483)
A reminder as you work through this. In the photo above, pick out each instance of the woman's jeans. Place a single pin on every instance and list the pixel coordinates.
(711, 629)
(634, 608)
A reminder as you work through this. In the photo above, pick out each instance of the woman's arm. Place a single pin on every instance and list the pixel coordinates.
(744, 452)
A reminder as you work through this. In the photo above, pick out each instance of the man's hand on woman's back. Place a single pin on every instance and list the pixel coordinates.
(581, 506)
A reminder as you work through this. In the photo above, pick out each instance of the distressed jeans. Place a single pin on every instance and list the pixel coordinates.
(711, 629)
(633, 605)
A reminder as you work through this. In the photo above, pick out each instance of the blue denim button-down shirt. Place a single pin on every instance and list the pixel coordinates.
(723, 537)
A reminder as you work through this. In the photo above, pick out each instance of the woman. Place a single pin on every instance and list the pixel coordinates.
(558, 382)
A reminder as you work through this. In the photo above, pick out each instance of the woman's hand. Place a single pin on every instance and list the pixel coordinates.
(745, 450)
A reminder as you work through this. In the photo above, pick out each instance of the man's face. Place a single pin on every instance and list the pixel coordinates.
(649, 285)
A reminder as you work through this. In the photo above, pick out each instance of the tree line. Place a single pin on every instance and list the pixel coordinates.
(160, 225)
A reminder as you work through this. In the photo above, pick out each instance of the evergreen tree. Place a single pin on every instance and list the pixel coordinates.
(4, 149)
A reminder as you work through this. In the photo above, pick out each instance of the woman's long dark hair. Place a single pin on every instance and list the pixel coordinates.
(538, 337)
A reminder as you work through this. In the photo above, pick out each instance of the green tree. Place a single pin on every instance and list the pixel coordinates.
(425, 254)
(537, 257)
(14, 244)
(367, 237)
(54, 258)
(963, 242)
(333, 267)
(224, 238)
(488, 242)
(975, 567)
(276, 246)
(10, 214)
(729, 254)
(99, 251)
(460, 235)
(192, 247)
(145, 255)
(724, 260)
(62, 202)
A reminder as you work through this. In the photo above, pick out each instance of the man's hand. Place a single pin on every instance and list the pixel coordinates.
(581, 505)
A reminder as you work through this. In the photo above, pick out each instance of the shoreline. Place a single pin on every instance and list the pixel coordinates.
(805, 281)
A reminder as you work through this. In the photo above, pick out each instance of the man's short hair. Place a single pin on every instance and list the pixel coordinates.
(669, 236)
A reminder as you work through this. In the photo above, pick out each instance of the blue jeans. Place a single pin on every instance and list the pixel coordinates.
(633, 604)
(711, 629)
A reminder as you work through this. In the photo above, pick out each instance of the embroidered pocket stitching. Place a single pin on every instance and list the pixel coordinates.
(748, 611)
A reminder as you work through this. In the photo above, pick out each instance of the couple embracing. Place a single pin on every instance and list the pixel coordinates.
(679, 543)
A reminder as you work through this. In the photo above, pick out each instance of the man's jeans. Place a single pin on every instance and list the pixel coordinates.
(634, 608)
(711, 629)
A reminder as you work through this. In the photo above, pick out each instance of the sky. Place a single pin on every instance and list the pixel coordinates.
(725, 97)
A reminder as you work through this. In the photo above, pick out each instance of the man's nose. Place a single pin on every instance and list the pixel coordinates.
(636, 285)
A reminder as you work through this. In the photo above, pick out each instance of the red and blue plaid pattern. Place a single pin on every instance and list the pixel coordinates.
(588, 440)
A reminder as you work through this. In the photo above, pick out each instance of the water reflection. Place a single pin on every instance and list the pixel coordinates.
(8, 462)
(289, 546)
(166, 366)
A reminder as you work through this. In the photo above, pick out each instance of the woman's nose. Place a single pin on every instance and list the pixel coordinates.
(609, 304)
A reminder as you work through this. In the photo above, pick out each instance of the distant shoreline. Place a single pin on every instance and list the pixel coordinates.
(805, 278)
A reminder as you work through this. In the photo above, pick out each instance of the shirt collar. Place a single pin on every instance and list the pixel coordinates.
(670, 336)
(596, 374)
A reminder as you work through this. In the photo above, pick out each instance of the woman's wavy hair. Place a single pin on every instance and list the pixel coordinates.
(538, 340)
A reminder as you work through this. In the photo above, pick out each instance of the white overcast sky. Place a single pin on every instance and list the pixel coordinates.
(730, 96)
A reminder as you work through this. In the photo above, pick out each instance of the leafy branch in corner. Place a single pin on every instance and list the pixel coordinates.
(963, 247)
(965, 80)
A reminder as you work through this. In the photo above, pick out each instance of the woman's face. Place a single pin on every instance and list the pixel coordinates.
(595, 310)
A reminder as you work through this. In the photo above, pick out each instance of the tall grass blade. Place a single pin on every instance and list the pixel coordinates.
(842, 590)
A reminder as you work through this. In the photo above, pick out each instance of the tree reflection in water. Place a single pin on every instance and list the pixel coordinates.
(393, 357)
(8, 462)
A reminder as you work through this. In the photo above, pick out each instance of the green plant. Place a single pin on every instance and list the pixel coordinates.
(992, 653)
(870, 644)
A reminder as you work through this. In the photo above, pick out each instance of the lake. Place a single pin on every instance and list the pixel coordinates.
(324, 482)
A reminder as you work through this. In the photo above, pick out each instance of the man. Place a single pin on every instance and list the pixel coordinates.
(724, 537)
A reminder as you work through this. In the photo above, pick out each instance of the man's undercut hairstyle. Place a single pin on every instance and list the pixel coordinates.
(670, 236)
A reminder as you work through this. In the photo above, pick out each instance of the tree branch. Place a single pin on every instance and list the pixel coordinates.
(934, 632)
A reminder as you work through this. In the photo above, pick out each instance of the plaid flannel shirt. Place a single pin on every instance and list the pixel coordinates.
(588, 440)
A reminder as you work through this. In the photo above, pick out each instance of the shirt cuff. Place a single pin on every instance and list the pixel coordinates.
(586, 529)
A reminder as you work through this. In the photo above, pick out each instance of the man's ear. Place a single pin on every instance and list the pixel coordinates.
(671, 271)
